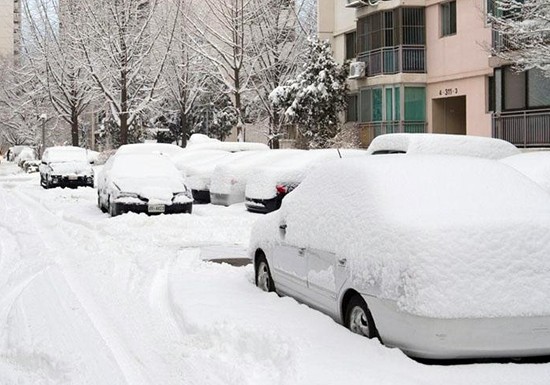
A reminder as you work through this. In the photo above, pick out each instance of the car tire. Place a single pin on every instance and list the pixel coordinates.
(44, 182)
(358, 317)
(112, 209)
(101, 207)
(263, 277)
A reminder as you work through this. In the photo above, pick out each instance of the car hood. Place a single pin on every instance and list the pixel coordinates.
(153, 189)
(71, 168)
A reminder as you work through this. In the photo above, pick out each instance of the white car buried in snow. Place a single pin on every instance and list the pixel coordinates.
(142, 183)
(443, 257)
(65, 166)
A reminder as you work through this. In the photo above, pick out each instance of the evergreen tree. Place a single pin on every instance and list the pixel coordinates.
(314, 99)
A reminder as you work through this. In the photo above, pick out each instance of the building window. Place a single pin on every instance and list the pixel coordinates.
(351, 51)
(514, 90)
(351, 110)
(414, 25)
(525, 90)
(415, 103)
(538, 87)
(448, 18)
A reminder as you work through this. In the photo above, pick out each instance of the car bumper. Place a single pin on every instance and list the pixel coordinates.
(175, 208)
(201, 196)
(262, 205)
(468, 338)
(65, 181)
(225, 199)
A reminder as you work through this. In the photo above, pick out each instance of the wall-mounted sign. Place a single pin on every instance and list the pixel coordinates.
(448, 91)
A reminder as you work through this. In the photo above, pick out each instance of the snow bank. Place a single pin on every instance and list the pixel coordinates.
(443, 144)
(290, 171)
(534, 165)
(203, 142)
(442, 236)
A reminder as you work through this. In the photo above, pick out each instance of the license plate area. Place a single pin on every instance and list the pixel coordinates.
(73, 177)
(155, 208)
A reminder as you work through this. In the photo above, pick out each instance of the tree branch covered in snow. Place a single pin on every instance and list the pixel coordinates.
(524, 29)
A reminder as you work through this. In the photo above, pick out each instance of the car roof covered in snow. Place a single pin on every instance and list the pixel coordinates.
(442, 144)
(170, 150)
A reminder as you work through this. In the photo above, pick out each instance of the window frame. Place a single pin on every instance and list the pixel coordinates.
(448, 11)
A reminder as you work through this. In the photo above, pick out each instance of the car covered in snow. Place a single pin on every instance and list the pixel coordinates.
(535, 165)
(25, 154)
(197, 167)
(142, 183)
(268, 185)
(443, 257)
(442, 144)
(169, 150)
(65, 166)
(229, 179)
(200, 142)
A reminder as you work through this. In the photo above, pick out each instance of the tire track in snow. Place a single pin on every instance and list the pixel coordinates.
(127, 362)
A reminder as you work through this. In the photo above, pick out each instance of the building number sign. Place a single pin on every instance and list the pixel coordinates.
(448, 92)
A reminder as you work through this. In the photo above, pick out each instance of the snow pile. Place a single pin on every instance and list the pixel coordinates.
(290, 171)
(228, 146)
(534, 165)
(443, 144)
(231, 178)
(442, 236)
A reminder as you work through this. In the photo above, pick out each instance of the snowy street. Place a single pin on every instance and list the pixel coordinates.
(90, 299)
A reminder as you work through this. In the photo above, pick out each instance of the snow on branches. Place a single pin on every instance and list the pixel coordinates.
(524, 29)
(314, 99)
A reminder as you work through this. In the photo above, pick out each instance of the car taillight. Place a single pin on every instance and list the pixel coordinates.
(281, 189)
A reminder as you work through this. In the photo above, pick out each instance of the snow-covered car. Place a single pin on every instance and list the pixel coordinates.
(267, 186)
(198, 142)
(142, 183)
(25, 154)
(229, 180)
(30, 166)
(169, 150)
(442, 144)
(535, 165)
(197, 167)
(443, 257)
(65, 166)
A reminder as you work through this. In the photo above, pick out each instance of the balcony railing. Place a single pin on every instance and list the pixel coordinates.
(524, 129)
(370, 130)
(393, 60)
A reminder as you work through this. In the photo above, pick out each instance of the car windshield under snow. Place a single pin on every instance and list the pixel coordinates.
(144, 167)
(67, 155)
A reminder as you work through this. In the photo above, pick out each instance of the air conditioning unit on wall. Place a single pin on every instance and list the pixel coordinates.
(357, 69)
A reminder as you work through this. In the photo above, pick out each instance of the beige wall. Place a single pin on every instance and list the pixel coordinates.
(6, 28)
(458, 65)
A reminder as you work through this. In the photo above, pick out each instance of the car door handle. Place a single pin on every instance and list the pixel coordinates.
(342, 262)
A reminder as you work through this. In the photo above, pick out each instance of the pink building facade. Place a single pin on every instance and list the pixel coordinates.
(425, 66)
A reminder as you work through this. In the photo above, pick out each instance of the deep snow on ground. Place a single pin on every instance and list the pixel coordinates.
(88, 299)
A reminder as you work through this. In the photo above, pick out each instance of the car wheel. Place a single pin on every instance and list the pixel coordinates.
(263, 275)
(101, 207)
(359, 318)
(112, 209)
(46, 183)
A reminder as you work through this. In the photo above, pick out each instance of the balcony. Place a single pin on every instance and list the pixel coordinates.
(523, 129)
(393, 60)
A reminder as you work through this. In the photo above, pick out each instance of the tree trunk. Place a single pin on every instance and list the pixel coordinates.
(238, 105)
(74, 128)
(183, 128)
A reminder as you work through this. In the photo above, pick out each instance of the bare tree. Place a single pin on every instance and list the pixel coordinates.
(121, 47)
(279, 44)
(51, 51)
(221, 35)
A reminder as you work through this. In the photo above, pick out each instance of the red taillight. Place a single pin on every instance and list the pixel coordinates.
(281, 189)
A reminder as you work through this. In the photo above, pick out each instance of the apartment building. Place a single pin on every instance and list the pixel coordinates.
(10, 28)
(425, 66)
